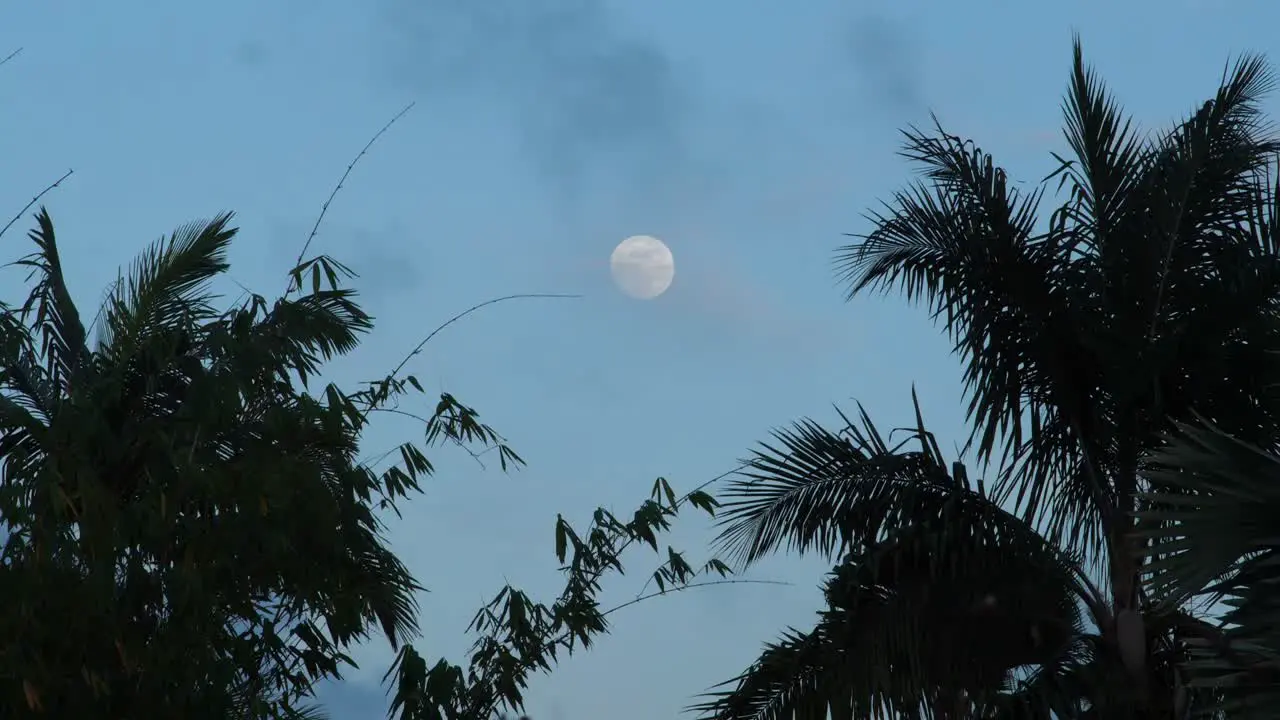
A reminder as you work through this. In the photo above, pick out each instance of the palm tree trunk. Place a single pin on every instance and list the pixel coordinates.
(1130, 625)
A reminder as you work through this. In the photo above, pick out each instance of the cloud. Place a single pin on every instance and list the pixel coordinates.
(581, 92)
(251, 53)
(734, 313)
(881, 53)
(386, 267)
(734, 302)
(635, 141)
(385, 264)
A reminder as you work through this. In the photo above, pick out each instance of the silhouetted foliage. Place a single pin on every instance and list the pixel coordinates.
(1149, 295)
(519, 637)
(1213, 519)
(190, 531)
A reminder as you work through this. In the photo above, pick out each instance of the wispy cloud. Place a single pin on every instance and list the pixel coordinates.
(616, 125)
(386, 265)
(723, 303)
(581, 91)
(715, 299)
(887, 66)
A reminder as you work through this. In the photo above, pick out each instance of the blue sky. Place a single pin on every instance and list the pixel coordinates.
(749, 136)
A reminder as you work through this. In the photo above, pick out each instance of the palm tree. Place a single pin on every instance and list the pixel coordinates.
(943, 603)
(189, 531)
(1149, 294)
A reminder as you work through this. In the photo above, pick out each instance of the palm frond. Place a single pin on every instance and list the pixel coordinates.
(1066, 687)
(62, 333)
(1211, 522)
(968, 245)
(793, 680)
(818, 490)
(388, 591)
(168, 282)
(1108, 160)
(825, 491)
(22, 376)
(300, 333)
(936, 616)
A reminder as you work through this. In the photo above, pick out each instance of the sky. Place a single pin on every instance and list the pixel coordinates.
(748, 136)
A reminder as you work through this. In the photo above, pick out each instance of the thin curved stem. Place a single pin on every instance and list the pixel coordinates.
(468, 311)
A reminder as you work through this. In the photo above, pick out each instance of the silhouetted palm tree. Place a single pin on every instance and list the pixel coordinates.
(1151, 293)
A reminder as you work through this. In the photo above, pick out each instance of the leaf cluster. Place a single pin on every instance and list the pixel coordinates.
(189, 530)
(518, 636)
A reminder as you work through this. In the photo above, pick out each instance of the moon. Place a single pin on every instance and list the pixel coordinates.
(642, 267)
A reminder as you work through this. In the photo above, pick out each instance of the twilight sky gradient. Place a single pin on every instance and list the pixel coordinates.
(748, 136)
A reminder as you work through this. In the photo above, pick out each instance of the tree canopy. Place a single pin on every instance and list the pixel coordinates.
(1148, 297)
(190, 531)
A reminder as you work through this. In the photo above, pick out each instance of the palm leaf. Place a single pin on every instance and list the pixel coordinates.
(297, 334)
(1108, 157)
(1211, 521)
(967, 244)
(167, 283)
(935, 617)
(831, 492)
(63, 334)
(22, 376)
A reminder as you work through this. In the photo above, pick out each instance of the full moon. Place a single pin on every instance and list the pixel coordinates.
(642, 267)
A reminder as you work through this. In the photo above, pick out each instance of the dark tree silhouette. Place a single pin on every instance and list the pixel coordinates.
(190, 531)
(1148, 295)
